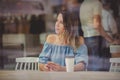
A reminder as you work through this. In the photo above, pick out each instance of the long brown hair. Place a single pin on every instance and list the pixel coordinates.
(70, 22)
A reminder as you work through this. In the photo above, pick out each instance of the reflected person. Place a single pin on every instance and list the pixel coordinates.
(90, 17)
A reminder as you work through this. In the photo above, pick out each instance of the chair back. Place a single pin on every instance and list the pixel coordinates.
(27, 63)
(115, 65)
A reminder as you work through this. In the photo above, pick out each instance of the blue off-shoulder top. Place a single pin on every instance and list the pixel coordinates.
(57, 54)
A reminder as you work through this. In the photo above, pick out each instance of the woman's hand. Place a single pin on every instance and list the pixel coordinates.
(55, 67)
(46, 67)
(79, 67)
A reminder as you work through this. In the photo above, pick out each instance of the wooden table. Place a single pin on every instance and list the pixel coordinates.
(37, 75)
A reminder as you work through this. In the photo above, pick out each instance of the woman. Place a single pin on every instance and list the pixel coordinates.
(66, 42)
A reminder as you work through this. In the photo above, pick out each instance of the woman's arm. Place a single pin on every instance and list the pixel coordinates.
(46, 51)
(81, 56)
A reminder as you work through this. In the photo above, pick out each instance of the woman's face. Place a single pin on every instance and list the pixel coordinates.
(59, 27)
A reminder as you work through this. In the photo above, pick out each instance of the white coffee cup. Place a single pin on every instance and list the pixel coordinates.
(69, 60)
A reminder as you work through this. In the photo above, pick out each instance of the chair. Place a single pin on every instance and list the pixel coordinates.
(115, 50)
(115, 65)
(27, 63)
(12, 44)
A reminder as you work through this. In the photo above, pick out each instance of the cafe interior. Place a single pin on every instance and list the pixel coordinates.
(24, 26)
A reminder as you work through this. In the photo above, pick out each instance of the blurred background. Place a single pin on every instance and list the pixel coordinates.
(24, 25)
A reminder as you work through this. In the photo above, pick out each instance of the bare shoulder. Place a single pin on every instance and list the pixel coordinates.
(81, 39)
(51, 38)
